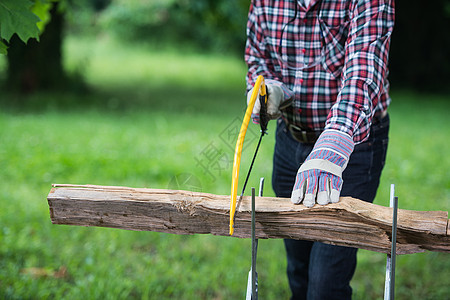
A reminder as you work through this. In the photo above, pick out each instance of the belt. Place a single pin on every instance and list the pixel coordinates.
(303, 136)
(310, 136)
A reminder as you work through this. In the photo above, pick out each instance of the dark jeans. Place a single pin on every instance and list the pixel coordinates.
(317, 270)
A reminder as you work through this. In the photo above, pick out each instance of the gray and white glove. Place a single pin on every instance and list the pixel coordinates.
(279, 97)
(319, 178)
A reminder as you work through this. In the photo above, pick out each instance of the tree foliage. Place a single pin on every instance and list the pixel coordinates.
(24, 18)
(208, 24)
(38, 65)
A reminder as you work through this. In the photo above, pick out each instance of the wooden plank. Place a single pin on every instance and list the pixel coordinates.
(350, 222)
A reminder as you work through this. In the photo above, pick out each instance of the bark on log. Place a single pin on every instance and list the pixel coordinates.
(350, 222)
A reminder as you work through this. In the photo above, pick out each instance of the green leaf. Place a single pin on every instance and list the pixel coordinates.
(42, 10)
(3, 48)
(16, 17)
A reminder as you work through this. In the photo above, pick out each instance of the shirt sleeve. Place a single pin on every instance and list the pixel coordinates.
(365, 69)
(258, 58)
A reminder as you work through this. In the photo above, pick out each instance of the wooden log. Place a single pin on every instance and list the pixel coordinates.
(350, 222)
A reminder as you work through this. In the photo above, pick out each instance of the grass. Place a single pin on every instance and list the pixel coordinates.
(151, 116)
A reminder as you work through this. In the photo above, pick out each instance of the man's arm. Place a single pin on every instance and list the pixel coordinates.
(260, 62)
(319, 179)
(365, 68)
(257, 57)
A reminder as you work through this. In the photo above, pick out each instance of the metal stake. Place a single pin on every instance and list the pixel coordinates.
(389, 284)
(252, 294)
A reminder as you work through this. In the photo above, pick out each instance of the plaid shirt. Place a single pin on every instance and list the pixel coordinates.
(333, 55)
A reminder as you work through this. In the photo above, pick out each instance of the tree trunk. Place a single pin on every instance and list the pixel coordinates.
(38, 65)
(350, 222)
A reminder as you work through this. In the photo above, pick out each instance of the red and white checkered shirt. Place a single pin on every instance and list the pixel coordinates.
(333, 55)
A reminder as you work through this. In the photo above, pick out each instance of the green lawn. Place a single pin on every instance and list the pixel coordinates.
(153, 115)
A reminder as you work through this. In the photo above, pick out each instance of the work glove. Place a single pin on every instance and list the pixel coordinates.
(320, 176)
(279, 97)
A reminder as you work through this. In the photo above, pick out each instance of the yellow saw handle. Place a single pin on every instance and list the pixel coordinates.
(258, 89)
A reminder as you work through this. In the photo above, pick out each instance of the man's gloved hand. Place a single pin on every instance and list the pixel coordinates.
(320, 176)
(279, 97)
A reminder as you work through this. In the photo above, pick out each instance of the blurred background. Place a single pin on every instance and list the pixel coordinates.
(151, 94)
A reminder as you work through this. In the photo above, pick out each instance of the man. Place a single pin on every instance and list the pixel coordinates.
(325, 65)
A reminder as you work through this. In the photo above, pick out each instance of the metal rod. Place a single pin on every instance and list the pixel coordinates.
(390, 261)
(393, 248)
(254, 286)
(252, 282)
(255, 242)
(261, 186)
(254, 249)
